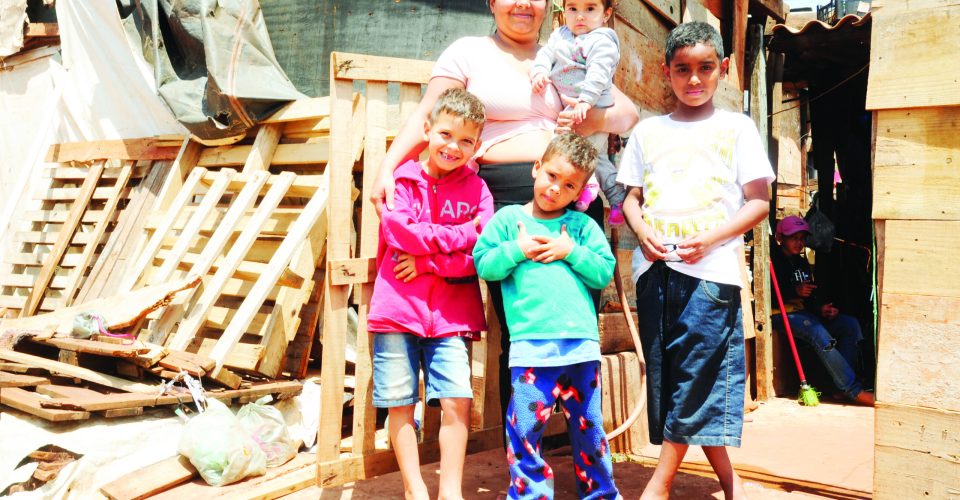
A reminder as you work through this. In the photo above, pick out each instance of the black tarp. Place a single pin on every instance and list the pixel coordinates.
(213, 59)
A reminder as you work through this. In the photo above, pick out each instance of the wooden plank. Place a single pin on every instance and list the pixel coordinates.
(77, 372)
(196, 315)
(772, 8)
(281, 259)
(97, 347)
(71, 194)
(17, 380)
(277, 225)
(900, 58)
(311, 153)
(41, 30)
(29, 402)
(153, 245)
(916, 453)
(183, 166)
(60, 216)
(264, 146)
(121, 311)
(301, 109)
(149, 148)
(336, 297)
(739, 50)
(918, 255)
(614, 335)
(918, 359)
(915, 171)
(99, 229)
(378, 69)
(64, 236)
(78, 174)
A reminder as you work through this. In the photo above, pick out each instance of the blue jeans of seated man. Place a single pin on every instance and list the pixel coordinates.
(835, 342)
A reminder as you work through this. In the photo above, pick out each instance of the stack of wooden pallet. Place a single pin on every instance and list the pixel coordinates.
(239, 230)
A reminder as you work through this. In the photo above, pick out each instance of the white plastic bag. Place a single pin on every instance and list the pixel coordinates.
(266, 426)
(219, 447)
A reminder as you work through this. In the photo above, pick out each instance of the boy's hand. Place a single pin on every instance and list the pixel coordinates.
(651, 246)
(552, 249)
(406, 268)
(828, 311)
(805, 290)
(695, 248)
(540, 82)
(580, 112)
(527, 244)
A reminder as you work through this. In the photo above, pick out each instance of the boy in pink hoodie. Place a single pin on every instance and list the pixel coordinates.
(426, 301)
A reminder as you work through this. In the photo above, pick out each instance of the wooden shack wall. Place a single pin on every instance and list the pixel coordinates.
(913, 92)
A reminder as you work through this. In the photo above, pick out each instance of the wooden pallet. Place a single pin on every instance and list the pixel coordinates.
(256, 242)
(66, 222)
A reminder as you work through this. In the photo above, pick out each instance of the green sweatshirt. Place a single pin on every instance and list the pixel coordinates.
(546, 301)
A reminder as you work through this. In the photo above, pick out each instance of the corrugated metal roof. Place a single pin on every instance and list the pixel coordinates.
(817, 47)
(846, 22)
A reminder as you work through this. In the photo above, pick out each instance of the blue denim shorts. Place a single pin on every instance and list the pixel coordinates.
(692, 337)
(397, 359)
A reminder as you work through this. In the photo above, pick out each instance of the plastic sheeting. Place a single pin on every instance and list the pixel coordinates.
(13, 14)
(101, 90)
(213, 59)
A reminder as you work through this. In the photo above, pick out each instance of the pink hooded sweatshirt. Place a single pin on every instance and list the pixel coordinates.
(433, 220)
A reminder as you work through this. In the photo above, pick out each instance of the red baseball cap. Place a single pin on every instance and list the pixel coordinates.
(792, 224)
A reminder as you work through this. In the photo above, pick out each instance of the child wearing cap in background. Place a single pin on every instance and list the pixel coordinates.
(834, 336)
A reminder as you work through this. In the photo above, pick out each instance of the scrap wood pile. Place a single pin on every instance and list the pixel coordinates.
(141, 261)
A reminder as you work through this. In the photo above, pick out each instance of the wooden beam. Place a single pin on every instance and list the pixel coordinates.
(772, 8)
(8, 380)
(150, 148)
(301, 109)
(378, 69)
(286, 154)
(352, 271)
(264, 146)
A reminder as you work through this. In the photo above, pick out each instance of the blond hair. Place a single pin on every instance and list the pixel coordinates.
(459, 103)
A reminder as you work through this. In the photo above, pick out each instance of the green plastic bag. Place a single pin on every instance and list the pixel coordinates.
(265, 424)
(219, 447)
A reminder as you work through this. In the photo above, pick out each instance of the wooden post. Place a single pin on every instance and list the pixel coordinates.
(761, 242)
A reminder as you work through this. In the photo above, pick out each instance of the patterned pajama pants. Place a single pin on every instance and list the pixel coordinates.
(535, 391)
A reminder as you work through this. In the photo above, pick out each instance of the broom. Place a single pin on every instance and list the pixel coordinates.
(808, 396)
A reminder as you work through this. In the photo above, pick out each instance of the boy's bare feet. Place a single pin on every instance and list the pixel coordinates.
(864, 398)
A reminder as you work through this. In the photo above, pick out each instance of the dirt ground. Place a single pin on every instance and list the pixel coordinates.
(788, 451)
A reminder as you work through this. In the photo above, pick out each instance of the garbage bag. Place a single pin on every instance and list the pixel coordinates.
(220, 448)
(265, 424)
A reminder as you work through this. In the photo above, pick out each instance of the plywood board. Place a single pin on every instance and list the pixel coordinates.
(919, 358)
(904, 71)
(639, 73)
(917, 164)
(916, 453)
(921, 258)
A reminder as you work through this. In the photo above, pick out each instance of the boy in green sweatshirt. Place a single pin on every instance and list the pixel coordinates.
(548, 257)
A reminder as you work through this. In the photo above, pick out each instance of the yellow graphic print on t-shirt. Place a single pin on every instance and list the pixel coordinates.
(685, 182)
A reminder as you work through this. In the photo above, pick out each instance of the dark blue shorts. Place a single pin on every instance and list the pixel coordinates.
(692, 336)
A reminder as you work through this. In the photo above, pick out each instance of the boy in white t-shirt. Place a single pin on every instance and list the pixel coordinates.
(698, 179)
(579, 60)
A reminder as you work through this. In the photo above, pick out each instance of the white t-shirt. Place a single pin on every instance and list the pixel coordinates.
(692, 175)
